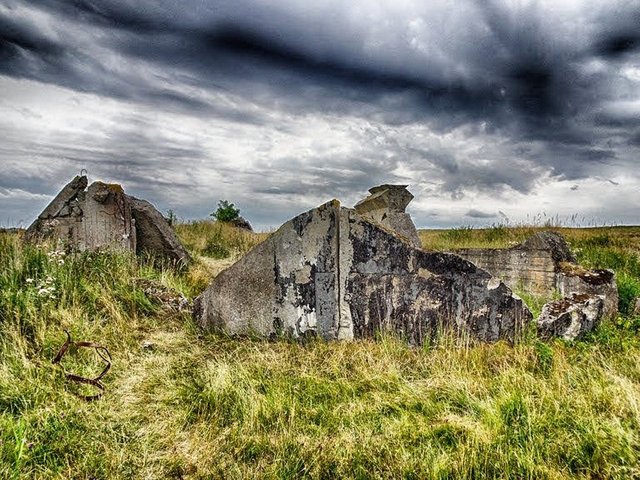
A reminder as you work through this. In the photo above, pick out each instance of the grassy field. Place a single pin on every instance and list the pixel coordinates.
(180, 403)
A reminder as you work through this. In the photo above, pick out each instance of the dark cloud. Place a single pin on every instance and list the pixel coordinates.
(634, 139)
(619, 45)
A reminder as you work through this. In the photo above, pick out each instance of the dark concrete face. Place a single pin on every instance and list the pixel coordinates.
(154, 235)
(330, 272)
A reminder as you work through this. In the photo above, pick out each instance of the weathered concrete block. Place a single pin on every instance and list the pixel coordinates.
(50, 224)
(576, 280)
(571, 317)
(155, 236)
(279, 285)
(386, 206)
(106, 219)
(330, 272)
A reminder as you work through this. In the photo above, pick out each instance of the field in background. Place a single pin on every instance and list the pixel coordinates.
(180, 403)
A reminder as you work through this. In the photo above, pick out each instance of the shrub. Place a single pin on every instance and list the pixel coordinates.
(215, 249)
(226, 212)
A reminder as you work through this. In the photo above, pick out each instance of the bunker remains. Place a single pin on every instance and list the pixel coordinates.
(333, 273)
(543, 265)
(386, 206)
(103, 216)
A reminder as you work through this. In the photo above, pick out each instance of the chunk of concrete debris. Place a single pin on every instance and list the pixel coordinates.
(242, 223)
(103, 216)
(575, 279)
(542, 265)
(63, 203)
(386, 206)
(636, 308)
(106, 218)
(331, 272)
(154, 234)
(169, 299)
(571, 317)
(550, 242)
(87, 219)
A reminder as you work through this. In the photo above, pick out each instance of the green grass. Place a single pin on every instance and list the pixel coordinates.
(199, 405)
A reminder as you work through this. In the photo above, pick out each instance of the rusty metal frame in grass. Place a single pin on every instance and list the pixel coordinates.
(94, 382)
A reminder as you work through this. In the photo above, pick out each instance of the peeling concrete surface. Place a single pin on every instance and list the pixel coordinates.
(332, 273)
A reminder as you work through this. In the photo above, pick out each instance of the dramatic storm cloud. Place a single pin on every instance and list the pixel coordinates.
(491, 111)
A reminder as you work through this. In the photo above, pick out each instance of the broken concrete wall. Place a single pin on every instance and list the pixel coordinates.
(106, 219)
(104, 216)
(332, 273)
(533, 265)
(385, 206)
(533, 271)
(543, 265)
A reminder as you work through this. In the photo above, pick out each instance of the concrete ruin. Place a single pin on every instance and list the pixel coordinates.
(385, 206)
(571, 317)
(333, 273)
(103, 216)
(544, 265)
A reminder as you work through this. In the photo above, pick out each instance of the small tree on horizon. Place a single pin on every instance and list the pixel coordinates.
(226, 212)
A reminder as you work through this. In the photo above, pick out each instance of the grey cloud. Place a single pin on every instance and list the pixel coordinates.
(473, 213)
(514, 77)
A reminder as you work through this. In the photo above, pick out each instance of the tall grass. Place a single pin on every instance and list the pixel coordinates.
(180, 403)
(217, 239)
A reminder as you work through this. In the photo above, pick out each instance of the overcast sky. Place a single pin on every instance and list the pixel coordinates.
(489, 110)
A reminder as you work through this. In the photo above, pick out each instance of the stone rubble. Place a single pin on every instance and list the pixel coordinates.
(570, 317)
